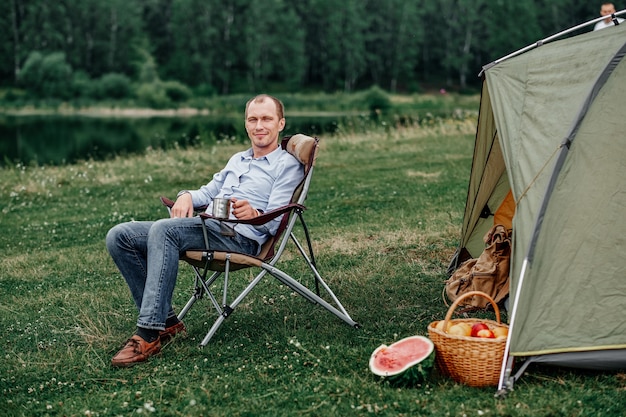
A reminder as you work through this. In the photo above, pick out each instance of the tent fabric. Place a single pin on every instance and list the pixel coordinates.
(506, 211)
(583, 225)
(488, 183)
(605, 360)
(561, 105)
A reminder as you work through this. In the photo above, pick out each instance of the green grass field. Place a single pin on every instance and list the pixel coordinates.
(384, 210)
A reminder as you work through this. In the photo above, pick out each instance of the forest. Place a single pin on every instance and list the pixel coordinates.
(176, 49)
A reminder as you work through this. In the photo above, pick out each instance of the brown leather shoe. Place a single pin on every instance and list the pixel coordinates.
(135, 351)
(169, 332)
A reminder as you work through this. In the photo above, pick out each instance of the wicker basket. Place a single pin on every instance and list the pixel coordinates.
(469, 360)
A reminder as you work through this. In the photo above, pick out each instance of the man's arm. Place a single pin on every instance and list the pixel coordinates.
(188, 199)
(183, 207)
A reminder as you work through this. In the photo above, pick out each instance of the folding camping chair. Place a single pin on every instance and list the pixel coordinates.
(221, 264)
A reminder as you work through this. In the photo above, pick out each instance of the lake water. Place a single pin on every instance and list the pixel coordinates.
(55, 140)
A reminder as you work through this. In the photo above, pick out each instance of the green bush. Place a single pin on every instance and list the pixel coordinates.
(47, 75)
(30, 74)
(147, 68)
(377, 100)
(83, 86)
(12, 95)
(177, 91)
(153, 95)
(114, 85)
(205, 90)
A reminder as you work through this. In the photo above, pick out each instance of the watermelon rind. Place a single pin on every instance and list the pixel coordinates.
(410, 370)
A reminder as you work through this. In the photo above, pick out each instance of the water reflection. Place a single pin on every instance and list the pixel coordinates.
(54, 140)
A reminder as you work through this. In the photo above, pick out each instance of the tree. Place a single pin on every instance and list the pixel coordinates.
(505, 35)
(10, 49)
(245, 45)
(191, 59)
(554, 16)
(334, 42)
(47, 75)
(394, 39)
(352, 40)
(461, 36)
(269, 56)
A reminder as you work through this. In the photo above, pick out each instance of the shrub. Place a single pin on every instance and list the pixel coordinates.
(147, 68)
(84, 86)
(377, 100)
(47, 75)
(153, 95)
(12, 95)
(30, 74)
(114, 85)
(176, 91)
(205, 90)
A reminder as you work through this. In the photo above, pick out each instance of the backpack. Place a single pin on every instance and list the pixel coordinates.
(488, 273)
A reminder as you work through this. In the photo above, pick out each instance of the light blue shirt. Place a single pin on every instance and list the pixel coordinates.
(267, 183)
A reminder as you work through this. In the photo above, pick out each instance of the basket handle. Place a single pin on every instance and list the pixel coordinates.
(466, 295)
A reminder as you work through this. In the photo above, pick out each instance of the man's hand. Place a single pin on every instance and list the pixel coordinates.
(243, 210)
(183, 207)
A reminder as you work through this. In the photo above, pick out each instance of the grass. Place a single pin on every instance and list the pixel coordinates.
(385, 211)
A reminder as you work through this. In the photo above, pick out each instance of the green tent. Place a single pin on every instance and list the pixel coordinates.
(552, 130)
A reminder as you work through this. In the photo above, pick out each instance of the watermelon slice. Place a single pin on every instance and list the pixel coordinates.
(408, 361)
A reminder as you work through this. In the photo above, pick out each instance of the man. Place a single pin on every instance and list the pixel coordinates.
(147, 253)
(607, 9)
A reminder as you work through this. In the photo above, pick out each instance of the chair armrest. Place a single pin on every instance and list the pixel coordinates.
(169, 203)
(263, 218)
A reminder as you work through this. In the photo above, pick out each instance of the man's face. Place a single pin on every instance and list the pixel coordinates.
(263, 126)
(607, 10)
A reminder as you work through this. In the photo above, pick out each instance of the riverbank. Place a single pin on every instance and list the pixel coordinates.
(313, 105)
(98, 111)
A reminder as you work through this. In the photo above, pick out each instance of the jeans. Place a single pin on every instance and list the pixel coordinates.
(147, 255)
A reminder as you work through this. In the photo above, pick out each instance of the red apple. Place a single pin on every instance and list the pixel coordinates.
(477, 327)
(486, 333)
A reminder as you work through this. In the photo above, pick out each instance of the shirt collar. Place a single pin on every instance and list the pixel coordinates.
(270, 157)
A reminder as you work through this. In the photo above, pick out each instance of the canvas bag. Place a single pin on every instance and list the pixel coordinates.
(488, 273)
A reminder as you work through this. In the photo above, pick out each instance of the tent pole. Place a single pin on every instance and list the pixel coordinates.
(551, 38)
(506, 383)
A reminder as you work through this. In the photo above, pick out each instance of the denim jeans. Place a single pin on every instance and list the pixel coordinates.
(147, 255)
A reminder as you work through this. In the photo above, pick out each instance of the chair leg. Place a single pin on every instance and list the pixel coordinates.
(216, 325)
(224, 309)
(195, 297)
(310, 261)
(198, 293)
(227, 309)
(311, 258)
(201, 288)
(338, 311)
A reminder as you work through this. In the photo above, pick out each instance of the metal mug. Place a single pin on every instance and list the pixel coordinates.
(221, 208)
